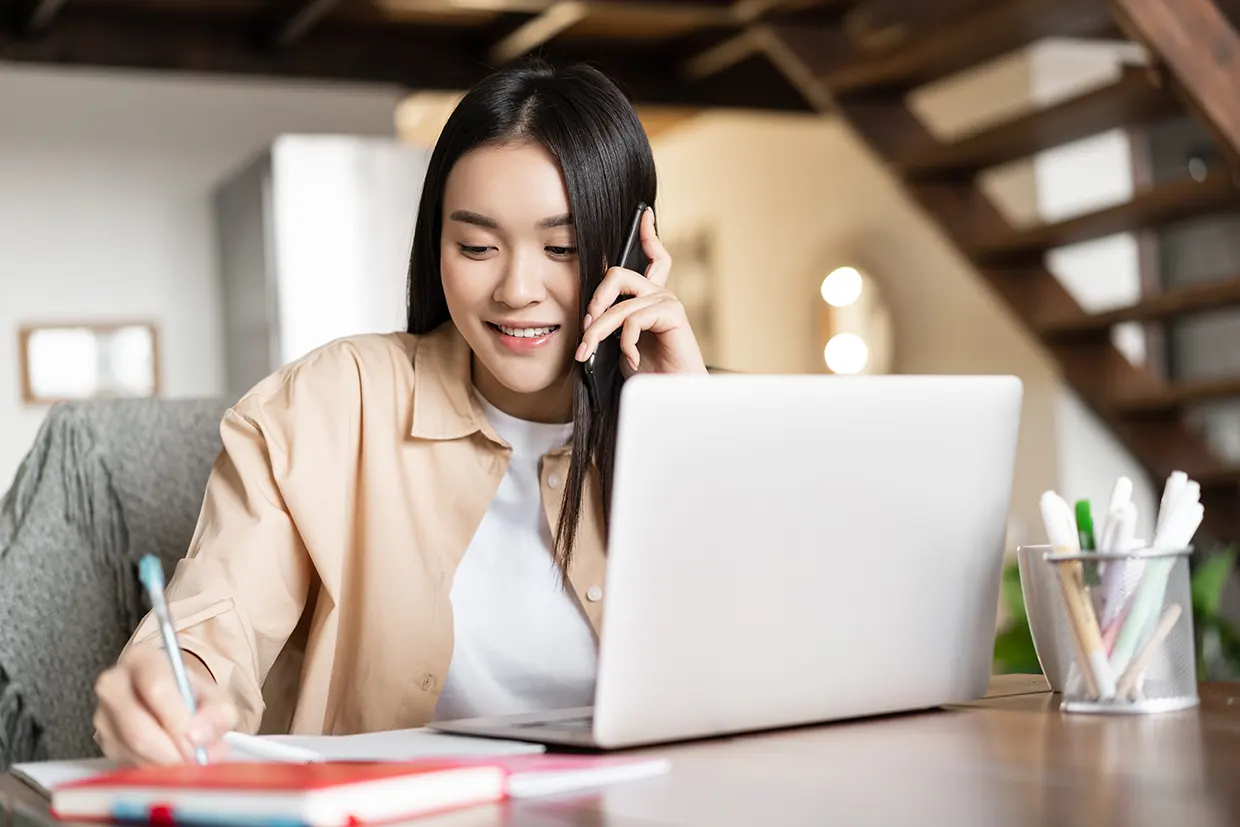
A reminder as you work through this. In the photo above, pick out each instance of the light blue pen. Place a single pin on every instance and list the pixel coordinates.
(151, 573)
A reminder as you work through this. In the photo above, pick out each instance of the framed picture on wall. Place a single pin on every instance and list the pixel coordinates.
(73, 361)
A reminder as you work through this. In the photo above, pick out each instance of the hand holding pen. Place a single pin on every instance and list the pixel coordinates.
(158, 706)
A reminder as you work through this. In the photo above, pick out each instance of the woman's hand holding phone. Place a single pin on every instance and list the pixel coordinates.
(655, 336)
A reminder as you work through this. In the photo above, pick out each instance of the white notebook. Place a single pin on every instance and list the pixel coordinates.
(45, 776)
(396, 745)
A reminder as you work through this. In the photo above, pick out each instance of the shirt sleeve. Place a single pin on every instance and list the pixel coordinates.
(240, 591)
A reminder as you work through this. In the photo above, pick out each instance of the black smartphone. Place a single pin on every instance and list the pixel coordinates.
(633, 257)
(632, 254)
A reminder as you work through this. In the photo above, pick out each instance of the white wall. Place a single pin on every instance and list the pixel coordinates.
(105, 213)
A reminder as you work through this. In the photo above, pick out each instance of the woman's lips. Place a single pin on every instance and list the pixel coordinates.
(524, 343)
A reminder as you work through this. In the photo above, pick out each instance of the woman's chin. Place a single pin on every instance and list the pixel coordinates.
(531, 378)
(530, 383)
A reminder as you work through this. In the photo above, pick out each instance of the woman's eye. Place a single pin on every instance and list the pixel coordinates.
(562, 251)
(471, 250)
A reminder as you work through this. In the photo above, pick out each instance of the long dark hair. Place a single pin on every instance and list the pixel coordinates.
(591, 129)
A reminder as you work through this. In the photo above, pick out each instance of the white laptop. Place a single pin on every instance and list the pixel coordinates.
(787, 550)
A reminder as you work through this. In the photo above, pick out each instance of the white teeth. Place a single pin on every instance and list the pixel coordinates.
(525, 332)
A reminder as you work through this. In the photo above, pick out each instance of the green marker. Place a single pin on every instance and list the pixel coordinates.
(1085, 530)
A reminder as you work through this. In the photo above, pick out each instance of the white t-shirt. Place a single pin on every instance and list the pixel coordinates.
(522, 643)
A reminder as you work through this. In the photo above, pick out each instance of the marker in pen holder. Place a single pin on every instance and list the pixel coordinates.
(1124, 645)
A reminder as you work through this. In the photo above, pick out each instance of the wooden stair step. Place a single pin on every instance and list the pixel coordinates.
(1178, 395)
(1172, 201)
(1132, 101)
(991, 31)
(1178, 302)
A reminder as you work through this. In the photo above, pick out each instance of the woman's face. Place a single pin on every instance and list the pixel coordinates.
(509, 269)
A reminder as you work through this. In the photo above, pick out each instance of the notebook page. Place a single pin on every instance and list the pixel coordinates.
(43, 776)
(396, 745)
(402, 744)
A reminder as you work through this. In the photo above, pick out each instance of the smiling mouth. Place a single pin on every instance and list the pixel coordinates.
(524, 332)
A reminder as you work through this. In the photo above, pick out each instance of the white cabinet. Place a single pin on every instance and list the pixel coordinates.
(314, 245)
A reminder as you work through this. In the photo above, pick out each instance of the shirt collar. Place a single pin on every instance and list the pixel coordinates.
(444, 406)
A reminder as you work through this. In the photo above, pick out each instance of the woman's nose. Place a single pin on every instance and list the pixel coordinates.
(521, 283)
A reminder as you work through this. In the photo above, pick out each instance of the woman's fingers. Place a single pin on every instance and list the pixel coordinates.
(142, 716)
(616, 283)
(128, 730)
(216, 715)
(652, 307)
(157, 690)
(660, 259)
(610, 322)
(641, 319)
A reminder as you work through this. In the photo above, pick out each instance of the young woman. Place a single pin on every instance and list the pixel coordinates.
(409, 527)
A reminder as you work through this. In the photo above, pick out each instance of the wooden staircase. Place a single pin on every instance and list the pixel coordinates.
(865, 67)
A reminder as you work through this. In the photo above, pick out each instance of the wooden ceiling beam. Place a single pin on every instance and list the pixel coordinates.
(723, 56)
(791, 65)
(534, 33)
(419, 58)
(753, 40)
(751, 11)
(562, 15)
(884, 23)
(965, 41)
(37, 15)
(900, 43)
(689, 11)
(300, 17)
(496, 6)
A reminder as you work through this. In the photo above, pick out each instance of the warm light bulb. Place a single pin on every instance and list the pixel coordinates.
(846, 353)
(841, 287)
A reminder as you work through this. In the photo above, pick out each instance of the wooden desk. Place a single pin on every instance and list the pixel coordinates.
(1011, 759)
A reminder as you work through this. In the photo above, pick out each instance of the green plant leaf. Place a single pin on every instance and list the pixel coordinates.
(1013, 597)
(1229, 646)
(1014, 652)
(1208, 581)
(1218, 651)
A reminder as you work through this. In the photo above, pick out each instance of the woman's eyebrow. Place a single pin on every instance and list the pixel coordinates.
(565, 220)
(467, 217)
(478, 220)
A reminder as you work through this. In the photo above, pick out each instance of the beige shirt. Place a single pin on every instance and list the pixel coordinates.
(316, 587)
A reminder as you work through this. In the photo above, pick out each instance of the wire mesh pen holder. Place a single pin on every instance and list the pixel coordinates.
(1113, 631)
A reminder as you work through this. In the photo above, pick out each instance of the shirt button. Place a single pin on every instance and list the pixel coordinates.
(553, 482)
(594, 594)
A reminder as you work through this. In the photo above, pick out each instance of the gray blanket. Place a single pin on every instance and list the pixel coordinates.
(104, 484)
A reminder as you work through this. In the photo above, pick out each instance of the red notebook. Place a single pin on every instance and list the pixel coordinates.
(279, 794)
(328, 794)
